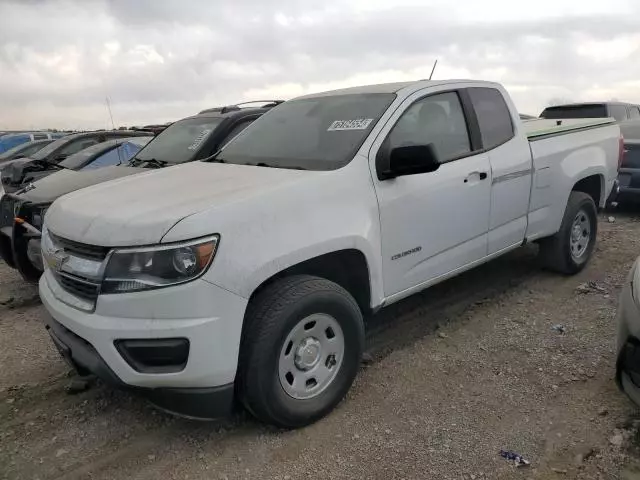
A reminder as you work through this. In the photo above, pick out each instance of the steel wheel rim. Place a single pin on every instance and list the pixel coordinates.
(311, 356)
(580, 236)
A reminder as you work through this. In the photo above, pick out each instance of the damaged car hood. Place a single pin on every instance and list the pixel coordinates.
(140, 210)
(24, 169)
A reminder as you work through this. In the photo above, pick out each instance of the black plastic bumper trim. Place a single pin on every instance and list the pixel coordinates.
(198, 403)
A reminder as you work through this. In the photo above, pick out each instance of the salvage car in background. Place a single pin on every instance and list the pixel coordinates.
(7, 142)
(629, 174)
(619, 110)
(247, 276)
(186, 140)
(19, 241)
(628, 336)
(23, 150)
(44, 162)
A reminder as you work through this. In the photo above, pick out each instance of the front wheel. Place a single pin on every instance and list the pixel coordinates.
(301, 350)
(569, 250)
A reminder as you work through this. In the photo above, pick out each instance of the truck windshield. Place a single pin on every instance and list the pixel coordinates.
(49, 149)
(318, 133)
(180, 142)
(593, 110)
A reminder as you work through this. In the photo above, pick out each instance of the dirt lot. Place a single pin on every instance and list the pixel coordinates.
(459, 372)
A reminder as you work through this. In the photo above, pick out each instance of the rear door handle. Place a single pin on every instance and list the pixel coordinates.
(483, 175)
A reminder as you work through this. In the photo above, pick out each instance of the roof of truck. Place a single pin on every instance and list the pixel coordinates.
(390, 87)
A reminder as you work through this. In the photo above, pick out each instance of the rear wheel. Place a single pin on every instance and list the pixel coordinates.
(569, 250)
(301, 350)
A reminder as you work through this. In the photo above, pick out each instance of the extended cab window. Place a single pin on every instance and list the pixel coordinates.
(437, 119)
(317, 133)
(494, 118)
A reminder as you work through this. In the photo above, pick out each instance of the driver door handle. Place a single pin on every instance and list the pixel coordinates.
(475, 176)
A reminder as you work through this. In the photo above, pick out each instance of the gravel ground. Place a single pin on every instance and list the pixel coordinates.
(457, 373)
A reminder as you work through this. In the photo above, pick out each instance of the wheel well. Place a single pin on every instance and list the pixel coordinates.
(592, 186)
(347, 268)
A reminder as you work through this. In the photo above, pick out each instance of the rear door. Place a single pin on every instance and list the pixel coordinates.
(511, 164)
(432, 223)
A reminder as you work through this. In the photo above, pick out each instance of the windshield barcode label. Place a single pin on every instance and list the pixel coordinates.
(356, 124)
(199, 139)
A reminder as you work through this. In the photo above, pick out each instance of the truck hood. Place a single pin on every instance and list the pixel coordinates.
(140, 210)
(66, 181)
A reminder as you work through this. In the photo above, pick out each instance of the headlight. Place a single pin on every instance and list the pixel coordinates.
(136, 269)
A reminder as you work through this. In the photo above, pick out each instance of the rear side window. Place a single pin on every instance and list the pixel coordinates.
(494, 117)
(592, 110)
(634, 112)
(619, 112)
(631, 157)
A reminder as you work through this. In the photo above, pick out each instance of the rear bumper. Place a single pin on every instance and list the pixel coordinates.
(200, 403)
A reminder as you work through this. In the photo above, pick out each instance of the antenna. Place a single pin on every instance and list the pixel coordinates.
(433, 69)
(113, 126)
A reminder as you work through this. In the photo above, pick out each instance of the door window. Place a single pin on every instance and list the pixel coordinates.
(494, 117)
(634, 112)
(437, 119)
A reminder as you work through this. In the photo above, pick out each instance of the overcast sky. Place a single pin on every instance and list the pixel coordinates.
(160, 60)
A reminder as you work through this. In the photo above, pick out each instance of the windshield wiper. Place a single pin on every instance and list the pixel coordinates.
(149, 162)
(262, 164)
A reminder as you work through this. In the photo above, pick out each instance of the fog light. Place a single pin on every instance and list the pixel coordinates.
(161, 355)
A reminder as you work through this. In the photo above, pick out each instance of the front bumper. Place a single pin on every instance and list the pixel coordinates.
(209, 317)
(199, 403)
(628, 343)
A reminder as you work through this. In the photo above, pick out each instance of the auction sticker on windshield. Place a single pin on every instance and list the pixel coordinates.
(355, 124)
(199, 139)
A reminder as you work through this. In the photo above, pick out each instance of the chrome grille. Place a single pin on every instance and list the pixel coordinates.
(78, 286)
(82, 250)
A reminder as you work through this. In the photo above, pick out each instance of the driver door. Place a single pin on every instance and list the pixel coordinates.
(433, 224)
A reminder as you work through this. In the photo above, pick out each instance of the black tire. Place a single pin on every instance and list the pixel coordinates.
(555, 251)
(270, 317)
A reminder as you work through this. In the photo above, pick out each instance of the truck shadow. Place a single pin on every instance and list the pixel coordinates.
(411, 319)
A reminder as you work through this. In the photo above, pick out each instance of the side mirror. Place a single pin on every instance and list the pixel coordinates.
(411, 160)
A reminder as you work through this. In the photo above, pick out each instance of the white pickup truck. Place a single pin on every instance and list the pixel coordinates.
(247, 277)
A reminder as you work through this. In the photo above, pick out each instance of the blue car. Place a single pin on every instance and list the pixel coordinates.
(12, 140)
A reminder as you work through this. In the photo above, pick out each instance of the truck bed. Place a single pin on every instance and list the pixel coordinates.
(543, 128)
